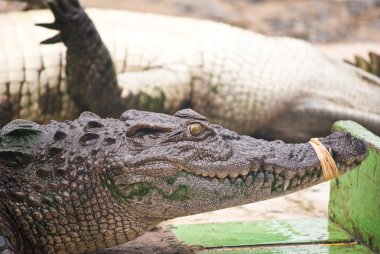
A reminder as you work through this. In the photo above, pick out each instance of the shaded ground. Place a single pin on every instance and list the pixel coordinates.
(310, 203)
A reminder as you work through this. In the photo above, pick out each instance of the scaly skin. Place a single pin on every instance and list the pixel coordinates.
(80, 186)
(254, 84)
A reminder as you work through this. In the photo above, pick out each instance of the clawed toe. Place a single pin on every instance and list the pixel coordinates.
(56, 39)
(53, 26)
(65, 12)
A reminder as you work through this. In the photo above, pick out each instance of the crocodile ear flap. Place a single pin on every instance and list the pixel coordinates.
(17, 140)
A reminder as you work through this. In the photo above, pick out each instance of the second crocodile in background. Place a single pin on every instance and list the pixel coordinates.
(271, 87)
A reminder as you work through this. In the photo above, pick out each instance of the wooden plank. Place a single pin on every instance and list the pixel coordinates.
(261, 233)
(355, 197)
(308, 249)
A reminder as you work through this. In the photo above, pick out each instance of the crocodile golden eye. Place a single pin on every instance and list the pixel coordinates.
(195, 129)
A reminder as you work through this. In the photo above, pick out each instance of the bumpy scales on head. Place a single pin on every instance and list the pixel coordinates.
(94, 183)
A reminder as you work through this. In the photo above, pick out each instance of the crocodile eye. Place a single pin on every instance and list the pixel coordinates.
(195, 129)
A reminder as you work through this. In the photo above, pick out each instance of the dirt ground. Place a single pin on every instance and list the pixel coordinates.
(312, 20)
(318, 21)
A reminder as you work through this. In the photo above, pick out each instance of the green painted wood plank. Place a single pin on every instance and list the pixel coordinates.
(355, 197)
(309, 249)
(261, 232)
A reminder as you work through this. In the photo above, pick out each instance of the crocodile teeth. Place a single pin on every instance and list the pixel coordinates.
(286, 184)
(245, 172)
(305, 180)
(226, 181)
(198, 172)
(301, 173)
(279, 182)
(255, 168)
(330, 151)
(221, 175)
(268, 168)
(238, 181)
(249, 181)
(215, 181)
(233, 175)
(204, 173)
(278, 170)
(310, 170)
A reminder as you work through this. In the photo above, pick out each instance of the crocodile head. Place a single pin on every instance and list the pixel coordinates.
(182, 164)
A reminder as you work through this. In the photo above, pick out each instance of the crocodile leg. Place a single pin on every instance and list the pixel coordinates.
(90, 72)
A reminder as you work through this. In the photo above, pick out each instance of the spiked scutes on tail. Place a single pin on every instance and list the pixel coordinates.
(372, 65)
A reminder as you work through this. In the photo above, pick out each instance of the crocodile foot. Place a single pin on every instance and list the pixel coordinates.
(89, 68)
(73, 23)
(5, 246)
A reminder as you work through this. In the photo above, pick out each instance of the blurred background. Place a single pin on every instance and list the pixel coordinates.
(318, 21)
(339, 27)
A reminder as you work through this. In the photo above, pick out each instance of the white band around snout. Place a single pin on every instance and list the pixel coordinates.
(329, 168)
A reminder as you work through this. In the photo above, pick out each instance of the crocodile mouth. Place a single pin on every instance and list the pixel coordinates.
(268, 176)
(205, 189)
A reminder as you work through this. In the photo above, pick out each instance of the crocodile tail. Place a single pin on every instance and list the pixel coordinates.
(372, 65)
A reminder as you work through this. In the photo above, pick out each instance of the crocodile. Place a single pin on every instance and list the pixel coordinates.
(271, 87)
(83, 185)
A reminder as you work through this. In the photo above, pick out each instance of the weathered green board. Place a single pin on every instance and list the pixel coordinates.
(308, 249)
(261, 233)
(355, 197)
(306, 236)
